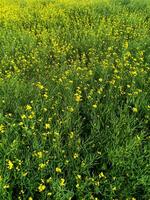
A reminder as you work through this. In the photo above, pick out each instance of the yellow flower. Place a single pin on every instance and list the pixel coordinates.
(6, 186)
(101, 175)
(58, 170)
(70, 109)
(94, 106)
(20, 123)
(49, 180)
(78, 177)
(133, 73)
(23, 116)
(10, 165)
(24, 174)
(39, 85)
(47, 126)
(78, 97)
(2, 128)
(45, 95)
(41, 188)
(40, 154)
(76, 155)
(42, 166)
(62, 182)
(49, 194)
(45, 109)
(126, 44)
(114, 188)
(28, 107)
(100, 79)
(135, 109)
(71, 134)
(32, 115)
(30, 198)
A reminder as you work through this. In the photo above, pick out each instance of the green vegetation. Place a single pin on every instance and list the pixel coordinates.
(75, 100)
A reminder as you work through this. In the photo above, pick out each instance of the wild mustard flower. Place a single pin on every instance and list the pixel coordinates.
(6, 186)
(42, 166)
(39, 85)
(58, 170)
(2, 127)
(70, 109)
(78, 177)
(78, 97)
(47, 126)
(23, 117)
(101, 175)
(10, 165)
(41, 187)
(45, 95)
(39, 154)
(62, 182)
(28, 107)
(76, 155)
(135, 110)
(71, 134)
(100, 80)
(126, 44)
(94, 105)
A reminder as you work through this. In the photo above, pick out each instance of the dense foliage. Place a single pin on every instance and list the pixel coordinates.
(75, 100)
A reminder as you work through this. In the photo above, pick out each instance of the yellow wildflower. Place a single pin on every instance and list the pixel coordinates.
(2, 128)
(126, 44)
(45, 95)
(28, 107)
(101, 175)
(20, 123)
(6, 186)
(41, 188)
(47, 126)
(135, 109)
(40, 154)
(42, 166)
(10, 164)
(70, 109)
(100, 79)
(58, 170)
(62, 182)
(23, 116)
(78, 97)
(78, 177)
(24, 174)
(39, 85)
(76, 155)
(71, 134)
(94, 106)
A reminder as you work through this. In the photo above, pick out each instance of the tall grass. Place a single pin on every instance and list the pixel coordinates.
(75, 100)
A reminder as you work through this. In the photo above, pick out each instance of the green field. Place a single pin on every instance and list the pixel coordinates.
(75, 100)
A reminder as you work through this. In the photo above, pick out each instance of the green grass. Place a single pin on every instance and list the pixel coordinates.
(75, 100)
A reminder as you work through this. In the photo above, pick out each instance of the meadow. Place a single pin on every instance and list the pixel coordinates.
(74, 100)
